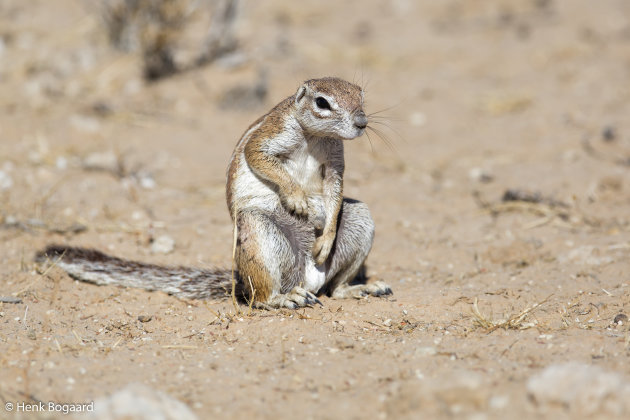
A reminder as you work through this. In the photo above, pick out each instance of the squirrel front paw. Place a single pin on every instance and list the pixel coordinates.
(295, 202)
(322, 247)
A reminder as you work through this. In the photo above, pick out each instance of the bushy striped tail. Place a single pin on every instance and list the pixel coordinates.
(96, 267)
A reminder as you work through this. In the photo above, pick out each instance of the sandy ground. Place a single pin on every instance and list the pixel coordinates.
(480, 97)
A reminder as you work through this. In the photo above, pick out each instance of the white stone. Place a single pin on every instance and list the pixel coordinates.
(587, 254)
(6, 182)
(480, 175)
(104, 161)
(147, 182)
(140, 402)
(85, 124)
(163, 245)
(417, 119)
(584, 389)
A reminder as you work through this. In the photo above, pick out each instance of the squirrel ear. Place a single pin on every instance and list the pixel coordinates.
(300, 94)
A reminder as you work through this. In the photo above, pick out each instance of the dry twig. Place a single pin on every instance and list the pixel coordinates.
(514, 322)
(235, 237)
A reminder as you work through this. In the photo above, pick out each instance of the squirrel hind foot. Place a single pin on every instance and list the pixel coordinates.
(296, 298)
(358, 291)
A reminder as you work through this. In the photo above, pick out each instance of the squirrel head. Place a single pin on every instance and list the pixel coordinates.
(331, 107)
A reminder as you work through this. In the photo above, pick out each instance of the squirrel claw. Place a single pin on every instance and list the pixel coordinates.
(309, 297)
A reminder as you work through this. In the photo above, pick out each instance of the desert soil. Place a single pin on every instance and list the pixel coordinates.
(478, 98)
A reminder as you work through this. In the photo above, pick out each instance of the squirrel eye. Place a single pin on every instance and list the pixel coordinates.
(322, 103)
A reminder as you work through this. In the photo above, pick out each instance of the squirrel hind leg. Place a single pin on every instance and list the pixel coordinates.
(345, 275)
(271, 257)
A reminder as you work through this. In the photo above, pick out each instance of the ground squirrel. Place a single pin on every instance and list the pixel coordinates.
(296, 235)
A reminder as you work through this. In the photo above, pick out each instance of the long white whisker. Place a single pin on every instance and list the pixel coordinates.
(370, 140)
(388, 126)
(384, 138)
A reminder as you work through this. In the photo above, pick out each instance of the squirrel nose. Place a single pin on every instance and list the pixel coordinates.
(360, 119)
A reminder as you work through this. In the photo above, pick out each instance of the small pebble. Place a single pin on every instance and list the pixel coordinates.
(6, 182)
(620, 319)
(426, 351)
(480, 175)
(417, 119)
(145, 318)
(147, 182)
(85, 124)
(102, 161)
(163, 245)
(609, 133)
(61, 163)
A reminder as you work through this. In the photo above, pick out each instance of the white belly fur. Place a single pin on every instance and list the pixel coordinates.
(304, 166)
(314, 276)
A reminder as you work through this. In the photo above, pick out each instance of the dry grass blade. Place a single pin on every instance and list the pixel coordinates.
(304, 315)
(378, 327)
(77, 336)
(514, 322)
(53, 264)
(253, 291)
(538, 209)
(179, 347)
(58, 346)
(234, 239)
(40, 273)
